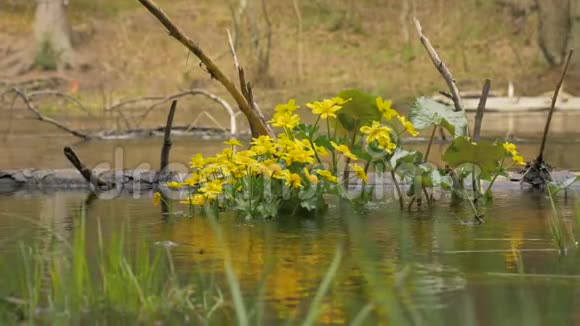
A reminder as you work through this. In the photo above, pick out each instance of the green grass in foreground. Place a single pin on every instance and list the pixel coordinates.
(142, 286)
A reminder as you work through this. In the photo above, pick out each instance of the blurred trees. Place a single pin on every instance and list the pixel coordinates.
(52, 34)
(558, 26)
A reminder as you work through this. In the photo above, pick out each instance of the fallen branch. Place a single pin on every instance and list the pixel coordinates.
(257, 123)
(443, 70)
(167, 142)
(68, 98)
(481, 110)
(91, 178)
(42, 117)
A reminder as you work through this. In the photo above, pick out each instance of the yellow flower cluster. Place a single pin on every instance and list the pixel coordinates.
(511, 149)
(295, 162)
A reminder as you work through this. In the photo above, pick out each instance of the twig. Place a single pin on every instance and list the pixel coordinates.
(440, 67)
(258, 125)
(191, 92)
(481, 110)
(69, 98)
(245, 86)
(167, 141)
(430, 144)
(553, 105)
(91, 178)
(42, 117)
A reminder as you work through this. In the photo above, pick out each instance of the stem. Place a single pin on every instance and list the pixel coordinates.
(352, 141)
(401, 200)
(553, 106)
(495, 177)
(334, 166)
(430, 143)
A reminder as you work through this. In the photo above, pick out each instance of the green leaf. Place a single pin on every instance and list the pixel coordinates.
(401, 156)
(427, 112)
(484, 154)
(357, 112)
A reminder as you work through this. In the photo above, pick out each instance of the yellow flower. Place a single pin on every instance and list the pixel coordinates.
(326, 108)
(285, 120)
(212, 189)
(300, 154)
(360, 173)
(233, 142)
(310, 177)
(387, 145)
(340, 101)
(376, 132)
(385, 109)
(263, 145)
(174, 185)
(344, 150)
(193, 180)
(510, 148)
(197, 162)
(518, 159)
(293, 180)
(408, 125)
(195, 200)
(156, 198)
(327, 175)
(244, 158)
(287, 108)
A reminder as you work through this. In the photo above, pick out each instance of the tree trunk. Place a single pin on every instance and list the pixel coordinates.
(52, 33)
(554, 29)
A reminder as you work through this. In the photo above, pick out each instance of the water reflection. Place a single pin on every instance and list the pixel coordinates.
(434, 259)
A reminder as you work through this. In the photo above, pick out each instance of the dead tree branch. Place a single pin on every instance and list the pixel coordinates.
(553, 106)
(246, 87)
(443, 70)
(92, 179)
(64, 96)
(481, 110)
(257, 124)
(167, 142)
(41, 117)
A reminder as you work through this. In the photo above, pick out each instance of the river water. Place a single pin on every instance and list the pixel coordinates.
(506, 271)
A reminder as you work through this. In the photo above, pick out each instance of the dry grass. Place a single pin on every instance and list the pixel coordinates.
(131, 55)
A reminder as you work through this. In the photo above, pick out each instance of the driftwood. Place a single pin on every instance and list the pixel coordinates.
(481, 110)
(92, 179)
(441, 67)
(257, 123)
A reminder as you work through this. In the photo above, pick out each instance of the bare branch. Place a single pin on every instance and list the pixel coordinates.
(553, 105)
(42, 117)
(167, 141)
(440, 67)
(91, 178)
(68, 98)
(481, 110)
(259, 126)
